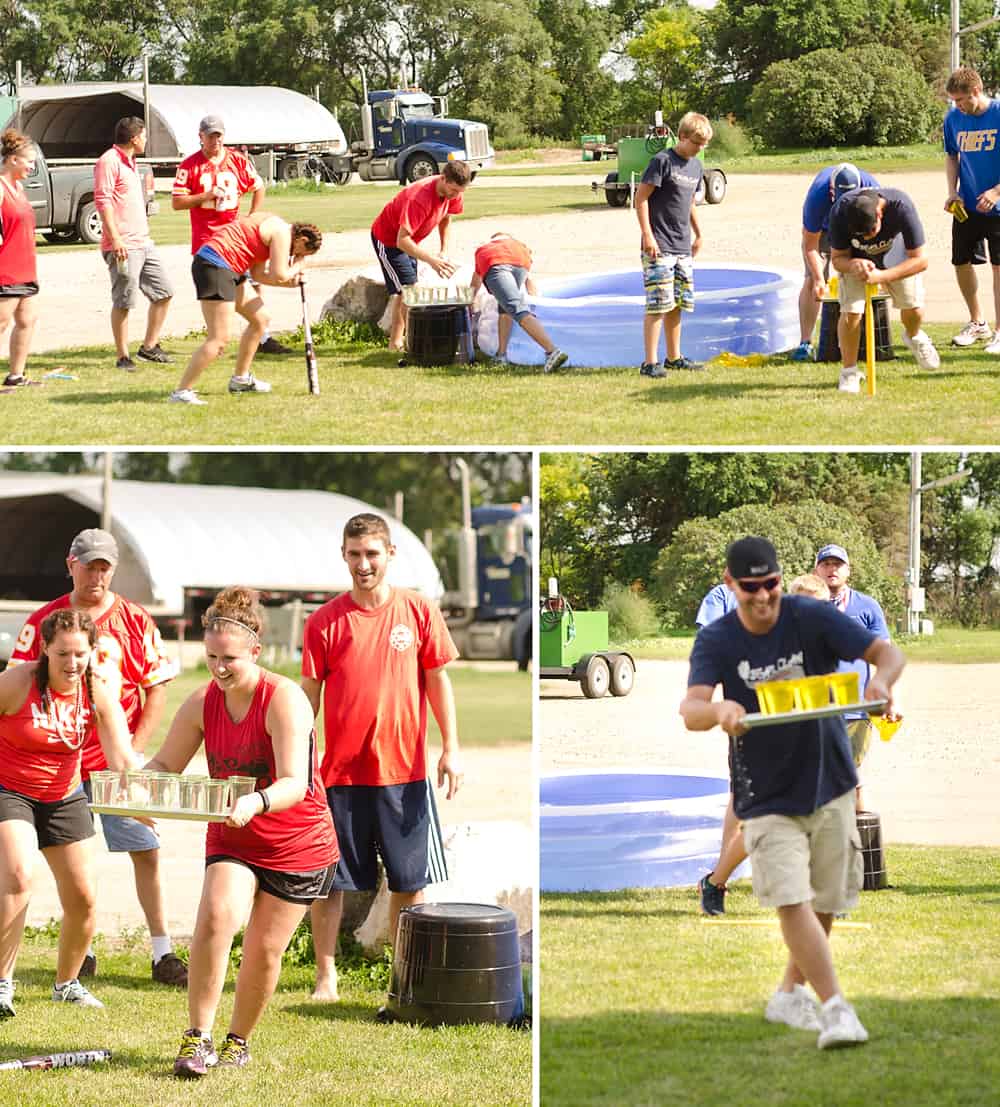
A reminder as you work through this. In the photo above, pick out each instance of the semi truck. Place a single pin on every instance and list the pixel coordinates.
(407, 135)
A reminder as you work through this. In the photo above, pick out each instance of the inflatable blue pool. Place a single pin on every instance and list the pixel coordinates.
(597, 318)
(607, 831)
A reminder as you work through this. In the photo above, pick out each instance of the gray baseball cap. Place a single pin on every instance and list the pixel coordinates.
(93, 544)
(212, 125)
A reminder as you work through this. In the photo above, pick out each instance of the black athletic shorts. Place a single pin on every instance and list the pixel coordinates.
(212, 282)
(18, 291)
(970, 239)
(291, 887)
(57, 824)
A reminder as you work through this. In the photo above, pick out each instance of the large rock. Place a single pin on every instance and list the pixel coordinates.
(487, 863)
(360, 298)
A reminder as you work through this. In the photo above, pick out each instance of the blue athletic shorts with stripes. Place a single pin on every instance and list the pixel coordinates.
(397, 822)
(669, 282)
(398, 268)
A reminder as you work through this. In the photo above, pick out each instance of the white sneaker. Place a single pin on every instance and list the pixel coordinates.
(555, 360)
(185, 396)
(796, 1008)
(923, 350)
(840, 1025)
(75, 992)
(850, 380)
(972, 333)
(993, 346)
(248, 384)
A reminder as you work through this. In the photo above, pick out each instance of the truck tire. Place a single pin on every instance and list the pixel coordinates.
(622, 675)
(288, 169)
(596, 679)
(715, 186)
(88, 223)
(61, 236)
(419, 167)
(616, 197)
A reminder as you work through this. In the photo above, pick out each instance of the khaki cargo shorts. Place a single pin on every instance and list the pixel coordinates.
(798, 858)
(905, 293)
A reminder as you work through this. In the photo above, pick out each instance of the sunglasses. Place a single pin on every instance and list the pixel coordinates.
(753, 586)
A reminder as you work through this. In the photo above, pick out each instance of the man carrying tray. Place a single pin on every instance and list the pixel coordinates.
(792, 782)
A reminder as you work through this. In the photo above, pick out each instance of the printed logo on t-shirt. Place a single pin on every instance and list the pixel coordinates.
(401, 637)
(785, 668)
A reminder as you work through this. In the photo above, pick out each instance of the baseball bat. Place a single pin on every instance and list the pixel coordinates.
(312, 369)
(60, 1060)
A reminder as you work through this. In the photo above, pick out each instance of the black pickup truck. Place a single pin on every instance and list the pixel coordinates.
(62, 197)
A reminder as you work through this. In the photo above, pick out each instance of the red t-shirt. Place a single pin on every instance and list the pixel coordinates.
(129, 656)
(40, 750)
(504, 251)
(419, 207)
(372, 665)
(297, 840)
(17, 224)
(196, 174)
(239, 243)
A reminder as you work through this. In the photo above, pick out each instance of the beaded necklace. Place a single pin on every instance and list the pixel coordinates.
(74, 736)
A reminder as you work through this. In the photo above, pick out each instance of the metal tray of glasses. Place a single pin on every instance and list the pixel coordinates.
(870, 707)
(158, 813)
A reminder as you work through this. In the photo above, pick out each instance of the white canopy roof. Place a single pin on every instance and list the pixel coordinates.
(177, 536)
(79, 119)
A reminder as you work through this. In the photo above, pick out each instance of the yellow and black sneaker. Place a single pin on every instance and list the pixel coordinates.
(196, 1055)
(235, 1053)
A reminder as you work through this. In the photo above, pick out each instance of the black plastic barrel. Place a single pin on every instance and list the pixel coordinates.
(828, 346)
(456, 963)
(870, 831)
(438, 334)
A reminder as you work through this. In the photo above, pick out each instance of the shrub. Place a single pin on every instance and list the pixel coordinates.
(864, 95)
(631, 613)
(729, 140)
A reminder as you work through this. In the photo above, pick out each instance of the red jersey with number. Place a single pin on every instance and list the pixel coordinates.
(419, 207)
(196, 174)
(40, 745)
(129, 656)
(239, 244)
(297, 840)
(504, 251)
(372, 664)
(17, 226)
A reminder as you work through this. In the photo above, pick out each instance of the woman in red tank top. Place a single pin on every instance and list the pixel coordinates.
(277, 851)
(18, 273)
(47, 709)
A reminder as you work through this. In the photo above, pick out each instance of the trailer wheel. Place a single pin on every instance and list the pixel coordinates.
(61, 236)
(616, 197)
(419, 167)
(622, 675)
(715, 186)
(288, 169)
(596, 679)
(88, 223)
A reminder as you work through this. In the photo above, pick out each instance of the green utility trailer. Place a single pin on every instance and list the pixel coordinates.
(634, 154)
(573, 645)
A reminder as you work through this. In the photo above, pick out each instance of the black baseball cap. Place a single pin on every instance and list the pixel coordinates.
(751, 557)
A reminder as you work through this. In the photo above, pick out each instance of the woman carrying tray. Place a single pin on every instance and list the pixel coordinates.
(47, 709)
(276, 852)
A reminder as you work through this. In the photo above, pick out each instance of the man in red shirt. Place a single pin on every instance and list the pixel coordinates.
(131, 662)
(407, 220)
(377, 655)
(210, 184)
(503, 264)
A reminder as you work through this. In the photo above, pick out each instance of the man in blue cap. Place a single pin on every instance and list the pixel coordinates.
(826, 189)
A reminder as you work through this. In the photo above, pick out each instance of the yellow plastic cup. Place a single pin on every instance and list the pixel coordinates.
(887, 725)
(811, 692)
(834, 286)
(845, 687)
(775, 696)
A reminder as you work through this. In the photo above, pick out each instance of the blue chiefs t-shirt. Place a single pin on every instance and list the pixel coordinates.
(974, 140)
(675, 180)
(868, 612)
(794, 768)
(817, 205)
(899, 218)
(717, 602)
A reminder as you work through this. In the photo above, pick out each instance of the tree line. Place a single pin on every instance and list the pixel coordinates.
(794, 72)
(657, 525)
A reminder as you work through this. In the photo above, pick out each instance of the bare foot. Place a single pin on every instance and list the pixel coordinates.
(326, 991)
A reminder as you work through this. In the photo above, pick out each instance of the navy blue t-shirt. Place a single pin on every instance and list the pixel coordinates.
(795, 768)
(899, 218)
(675, 180)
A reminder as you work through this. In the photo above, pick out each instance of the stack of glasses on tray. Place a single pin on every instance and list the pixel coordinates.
(416, 295)
(168, 792)
(808, 693)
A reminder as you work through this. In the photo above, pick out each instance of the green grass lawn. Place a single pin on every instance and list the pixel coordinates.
(643, 1003)
(366, 398)
(494, 708)
(303, 1053)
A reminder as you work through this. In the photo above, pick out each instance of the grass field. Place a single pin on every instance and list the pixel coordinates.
(644, 1004)
(367, 399)
(303, 1053)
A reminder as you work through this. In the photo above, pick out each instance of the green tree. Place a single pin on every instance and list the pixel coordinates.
(667, 53)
